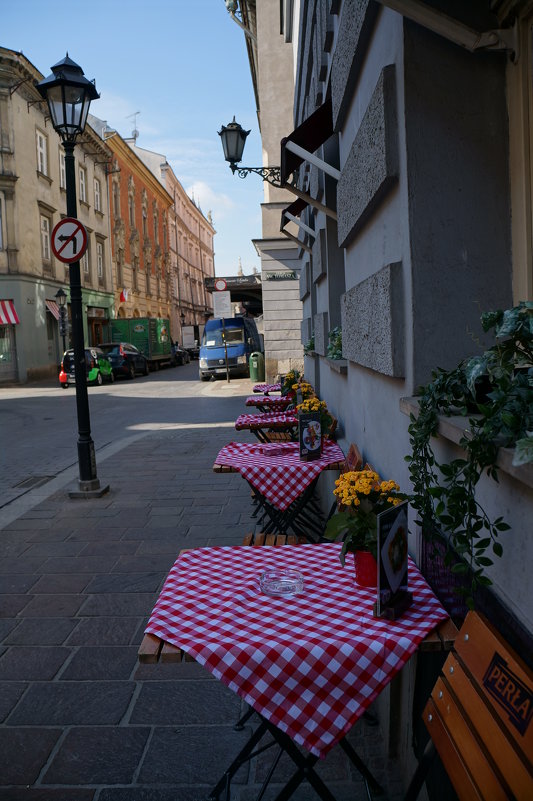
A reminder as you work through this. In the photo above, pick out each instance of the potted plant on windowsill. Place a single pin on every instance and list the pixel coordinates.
(361, 496)
(494, 391)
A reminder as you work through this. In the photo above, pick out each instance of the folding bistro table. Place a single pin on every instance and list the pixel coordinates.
(283, 484)
(309, 665)
(266, 403)
(266, 389)
(268, 423)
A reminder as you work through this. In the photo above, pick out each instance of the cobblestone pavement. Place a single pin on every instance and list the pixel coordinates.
(80, 719)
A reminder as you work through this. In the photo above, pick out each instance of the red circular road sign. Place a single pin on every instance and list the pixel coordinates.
(220, 285)
(69, 240)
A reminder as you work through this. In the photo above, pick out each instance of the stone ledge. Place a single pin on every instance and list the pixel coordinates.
(339, 365)
(453, 428)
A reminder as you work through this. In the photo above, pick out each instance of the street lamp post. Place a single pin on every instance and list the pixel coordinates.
(68, 94)
(233, 138)
(61, 298)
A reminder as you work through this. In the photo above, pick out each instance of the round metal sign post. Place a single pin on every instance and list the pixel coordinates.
(220, 285)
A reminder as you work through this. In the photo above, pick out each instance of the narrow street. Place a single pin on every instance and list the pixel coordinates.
(38, 422)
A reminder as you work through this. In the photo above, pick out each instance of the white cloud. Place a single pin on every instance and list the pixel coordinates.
(117, 111)
(218, 203)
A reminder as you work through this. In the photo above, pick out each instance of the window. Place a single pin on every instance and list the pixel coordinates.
(84, 262)
(83, 185)
(100, 259)
(97, 195)
(131, 211)
(116, 199)
(145, 223)
(156, 228)
(45, 238)
(62, 170)
(42, 153)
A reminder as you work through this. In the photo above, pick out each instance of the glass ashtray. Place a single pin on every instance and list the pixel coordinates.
(281, 583)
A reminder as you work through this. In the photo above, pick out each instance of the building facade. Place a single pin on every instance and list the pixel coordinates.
(272, 70)
(139, 207)
(32, 202)
(415, 218)
(191, 237)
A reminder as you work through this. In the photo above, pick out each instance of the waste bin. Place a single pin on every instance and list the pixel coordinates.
(257, 366)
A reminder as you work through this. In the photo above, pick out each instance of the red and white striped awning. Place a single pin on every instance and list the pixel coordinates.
(8, 315)
(52, 306)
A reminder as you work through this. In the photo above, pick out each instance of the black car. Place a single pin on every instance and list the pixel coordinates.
(180, 355)
(126, 360)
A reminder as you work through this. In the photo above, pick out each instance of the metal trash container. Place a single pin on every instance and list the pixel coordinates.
(257, 366)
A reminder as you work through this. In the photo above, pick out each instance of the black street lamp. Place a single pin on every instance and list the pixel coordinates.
(61, 298)
(68, 94)
(233, 137)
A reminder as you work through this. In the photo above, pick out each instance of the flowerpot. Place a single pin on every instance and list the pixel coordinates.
(366, 569)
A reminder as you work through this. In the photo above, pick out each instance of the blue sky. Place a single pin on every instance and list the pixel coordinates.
(182, 64)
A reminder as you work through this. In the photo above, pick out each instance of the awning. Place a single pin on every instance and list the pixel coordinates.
(52, 306)
(304, 140)
(291, 214)
(8, 315)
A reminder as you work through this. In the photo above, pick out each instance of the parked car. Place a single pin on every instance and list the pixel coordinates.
(125, 359)
(98, 367)
(180, 355)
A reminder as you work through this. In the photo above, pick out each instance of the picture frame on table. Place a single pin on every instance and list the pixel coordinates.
(309, 436)
(393, 596)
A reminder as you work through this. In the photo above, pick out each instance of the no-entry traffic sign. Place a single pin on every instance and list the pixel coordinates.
(69, 240)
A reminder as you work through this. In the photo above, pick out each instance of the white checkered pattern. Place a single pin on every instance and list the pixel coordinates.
(266, 388)
(273, 404)
(310, 664)
(272, 420)
(275, 469)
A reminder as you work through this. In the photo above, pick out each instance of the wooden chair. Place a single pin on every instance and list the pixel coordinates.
(479, 717)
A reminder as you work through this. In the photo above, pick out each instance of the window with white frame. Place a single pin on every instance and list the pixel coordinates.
(100, 259)
(97, 195)
(83, 185)
(62, 170)
(84, 262)
(42, 152)
(45, 238)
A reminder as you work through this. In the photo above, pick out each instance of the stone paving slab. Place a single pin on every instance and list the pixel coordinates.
(80, 718)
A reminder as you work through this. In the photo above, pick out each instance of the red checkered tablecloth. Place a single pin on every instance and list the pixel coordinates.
(275, 469)
(266, 388)
(266, 420)
(310, 664)
(268, 402)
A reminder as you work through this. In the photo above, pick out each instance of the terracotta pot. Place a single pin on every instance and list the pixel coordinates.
(366, 569)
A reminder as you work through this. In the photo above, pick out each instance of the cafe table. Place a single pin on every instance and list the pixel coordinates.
(268, 425)
(308, 664)
(267, 403)
(283, 484)
(266, 389)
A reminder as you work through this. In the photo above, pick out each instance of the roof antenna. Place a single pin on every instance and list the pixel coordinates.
(135, 132)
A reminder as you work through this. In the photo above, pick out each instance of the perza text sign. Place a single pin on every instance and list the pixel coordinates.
(393, 597)
(309, 435)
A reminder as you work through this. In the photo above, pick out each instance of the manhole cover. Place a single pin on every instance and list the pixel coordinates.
(32, 481)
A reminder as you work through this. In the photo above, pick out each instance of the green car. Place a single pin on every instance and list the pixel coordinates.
(98, 368)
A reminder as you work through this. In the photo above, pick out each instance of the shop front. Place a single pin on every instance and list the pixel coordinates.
(9, 319)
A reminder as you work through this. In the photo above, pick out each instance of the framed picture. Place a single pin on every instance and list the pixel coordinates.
(309, 435)
(393, 596)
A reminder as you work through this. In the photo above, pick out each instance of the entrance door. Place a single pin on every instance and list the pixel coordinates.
(96, 332)
(8, 354)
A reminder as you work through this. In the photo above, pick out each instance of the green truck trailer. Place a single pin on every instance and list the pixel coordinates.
(151, 335)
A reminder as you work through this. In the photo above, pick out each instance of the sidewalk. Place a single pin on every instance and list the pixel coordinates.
(79, 718)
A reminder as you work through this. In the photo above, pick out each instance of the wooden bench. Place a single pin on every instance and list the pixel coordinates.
(479, 718)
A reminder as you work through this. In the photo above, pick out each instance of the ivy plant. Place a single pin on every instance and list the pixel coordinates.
(495, 392)
(335, 343)
(309, 347)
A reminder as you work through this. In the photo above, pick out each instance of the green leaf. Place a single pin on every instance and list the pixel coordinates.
(523, 452)
(497, 548)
